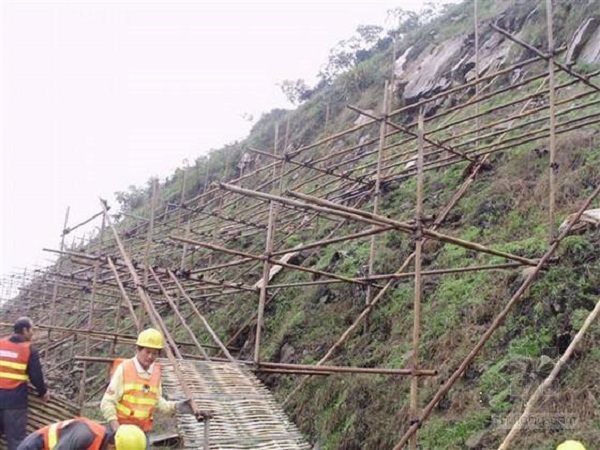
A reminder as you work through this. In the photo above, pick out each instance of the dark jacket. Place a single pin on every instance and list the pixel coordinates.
(17, 398)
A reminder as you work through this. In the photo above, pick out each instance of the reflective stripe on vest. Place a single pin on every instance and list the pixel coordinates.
(140, 396)
(14, 357)
(51, 433)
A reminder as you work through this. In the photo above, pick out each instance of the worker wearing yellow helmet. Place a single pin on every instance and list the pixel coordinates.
(571, 445)
(135, 390)
(84, 434)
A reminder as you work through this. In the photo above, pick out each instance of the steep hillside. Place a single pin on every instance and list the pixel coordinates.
(505, 160)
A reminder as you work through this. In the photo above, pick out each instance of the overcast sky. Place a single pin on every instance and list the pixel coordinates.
(100, 95)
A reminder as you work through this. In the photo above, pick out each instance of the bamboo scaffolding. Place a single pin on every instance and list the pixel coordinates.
(81, 396)
(498, 320)
(553, 168)
(372, 219)
(341, 176)
(437, 222)
(263, 258)
(123, 338)
(340, 369)
(547, 383)
(547, 57)
(74, 227)
(204, 322)
(136, 320)
(59, 262)
(175, 310)
(172, 351)
(306, 165)
(262, 298)
(418, 286)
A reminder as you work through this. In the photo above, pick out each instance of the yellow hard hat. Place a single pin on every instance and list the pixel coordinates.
(151, 338)
(130, 437)
(571, 445)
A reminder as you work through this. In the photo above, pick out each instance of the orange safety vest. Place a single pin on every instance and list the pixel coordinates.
(14, 357)
(140, 396)
(51, 433)
(116, 363)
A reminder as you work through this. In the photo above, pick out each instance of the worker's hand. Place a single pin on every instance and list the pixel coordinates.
(46, 397)
(203, 414)
(114, 424)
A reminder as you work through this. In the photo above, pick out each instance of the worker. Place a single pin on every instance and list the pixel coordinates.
(84, 434)
(19, 364)
(135, 389)
(571, 445)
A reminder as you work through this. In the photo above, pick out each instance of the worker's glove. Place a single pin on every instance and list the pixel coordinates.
(203, 414)
(184, 407)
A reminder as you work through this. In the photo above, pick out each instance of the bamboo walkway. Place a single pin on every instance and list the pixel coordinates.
(246, 416)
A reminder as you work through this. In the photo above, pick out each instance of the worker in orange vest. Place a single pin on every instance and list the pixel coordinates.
(84, 434)
(19, 364)
(135, 390)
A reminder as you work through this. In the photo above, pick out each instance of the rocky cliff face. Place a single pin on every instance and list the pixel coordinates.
(450, 61)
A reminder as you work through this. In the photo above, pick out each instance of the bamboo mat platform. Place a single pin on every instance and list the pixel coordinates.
(246, 416)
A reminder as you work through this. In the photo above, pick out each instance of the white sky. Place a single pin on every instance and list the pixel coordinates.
(100, 95)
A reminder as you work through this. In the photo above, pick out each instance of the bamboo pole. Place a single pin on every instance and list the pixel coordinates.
(343, 369)
(377, 189)
(262, 298)
(74, 227)
(403, 226)
(325, 242)
(547, 57)
(59, 264)
(552, 124)
(418, 286)
(541, 389)
(102, 335)
(81, 396)
(150, 234)
(271, 260)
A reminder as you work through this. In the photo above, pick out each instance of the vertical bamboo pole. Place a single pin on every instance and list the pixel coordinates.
(81, 396)
(150, 230)
(414, 382)
(188, 230)
(58, 267)
(182, 194)
(262, 296)
(219, 209)
(382, 133)
(552, 119)
(477, 87)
